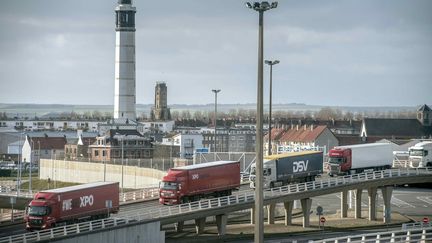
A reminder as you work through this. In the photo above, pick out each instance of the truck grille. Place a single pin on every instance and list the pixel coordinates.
(334, 168)
(415, 163)
(36, 222)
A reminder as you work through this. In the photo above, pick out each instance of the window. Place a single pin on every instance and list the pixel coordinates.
(103, 153)
(96, 153)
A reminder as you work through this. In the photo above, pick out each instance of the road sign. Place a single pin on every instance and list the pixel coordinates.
(319, 210)
(322, 220)
(425, 220)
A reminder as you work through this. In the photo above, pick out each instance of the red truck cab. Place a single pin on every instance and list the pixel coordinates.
(40, 212)
(170, 187)
(339, 161)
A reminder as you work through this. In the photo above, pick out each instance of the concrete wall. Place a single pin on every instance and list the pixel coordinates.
(85, 172)
(149, 232)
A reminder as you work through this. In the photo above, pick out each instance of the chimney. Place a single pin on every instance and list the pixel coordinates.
(292, 126)
(297, 127)
(305, 126)
(312, 127)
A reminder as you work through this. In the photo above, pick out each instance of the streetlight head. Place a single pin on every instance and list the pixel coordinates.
(248, 4)
(256, 5)
(265, 5)
(276, 62)
(274, 4)
(216, 91)
(268, 62)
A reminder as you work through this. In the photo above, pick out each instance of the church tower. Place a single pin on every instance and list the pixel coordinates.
(160, 111)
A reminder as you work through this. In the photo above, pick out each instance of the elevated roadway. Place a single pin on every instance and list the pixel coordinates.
(221, 207)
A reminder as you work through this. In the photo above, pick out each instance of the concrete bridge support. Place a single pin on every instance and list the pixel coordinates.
(344, 204)
(200, 225)
(221, 222)
(253, 215)
(179, 226)
(358, 210)
(271, 213)
(306, 206)
(288, 212)
(387, 195)
(372, 193)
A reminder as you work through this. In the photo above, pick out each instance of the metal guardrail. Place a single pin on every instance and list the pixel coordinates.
(401, 163)
(247, 196)
(72, 229)
(420, 235)
(11, 217)
(142, 194)
(416, 225)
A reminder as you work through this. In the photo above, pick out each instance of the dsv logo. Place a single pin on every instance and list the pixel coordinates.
(300, 166)
(86, 200)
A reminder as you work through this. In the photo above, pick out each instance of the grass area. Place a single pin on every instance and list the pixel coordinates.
(39, 185)
(13, 177)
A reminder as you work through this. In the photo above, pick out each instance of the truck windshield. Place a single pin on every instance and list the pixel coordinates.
(415, 152)
(267, 171)
(167, 185)
(38, 210)
(336, 160)
(253, 171)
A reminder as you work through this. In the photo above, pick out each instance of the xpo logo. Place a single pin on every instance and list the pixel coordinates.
(86, 200)
(300, 166)
(195, 176)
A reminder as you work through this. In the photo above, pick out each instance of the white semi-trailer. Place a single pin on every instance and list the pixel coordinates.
(420, 155)
(353, 159)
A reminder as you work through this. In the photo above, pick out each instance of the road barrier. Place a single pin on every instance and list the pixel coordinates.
(418, 235)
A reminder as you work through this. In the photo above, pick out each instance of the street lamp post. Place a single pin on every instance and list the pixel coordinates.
(270, 63)
(215, 91)
(122, 154)
(31, 160)
(259, 199)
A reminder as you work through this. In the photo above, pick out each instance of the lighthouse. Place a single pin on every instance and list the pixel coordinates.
(124, 93)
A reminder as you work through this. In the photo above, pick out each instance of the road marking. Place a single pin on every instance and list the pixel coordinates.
(399, 203)
(425, 199)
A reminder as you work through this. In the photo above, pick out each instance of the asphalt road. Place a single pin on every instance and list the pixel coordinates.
(413, 202)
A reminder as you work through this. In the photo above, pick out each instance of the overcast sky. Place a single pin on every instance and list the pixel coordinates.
(346, 53)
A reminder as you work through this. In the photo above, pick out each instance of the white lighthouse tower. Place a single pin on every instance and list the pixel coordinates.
(124, 93)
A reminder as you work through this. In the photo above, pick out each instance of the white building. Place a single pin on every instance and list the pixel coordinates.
(187, 143)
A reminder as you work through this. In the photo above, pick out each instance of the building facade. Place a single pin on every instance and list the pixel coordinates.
(121, 144)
